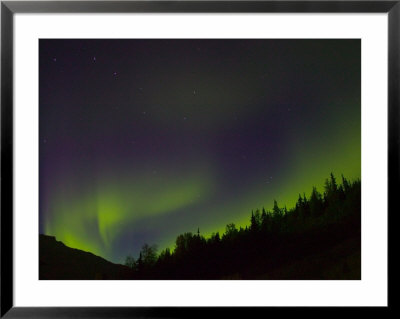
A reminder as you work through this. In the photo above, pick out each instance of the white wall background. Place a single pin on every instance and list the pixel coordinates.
(371, 290)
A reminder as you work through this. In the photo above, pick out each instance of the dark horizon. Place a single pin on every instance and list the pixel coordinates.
(141, 140)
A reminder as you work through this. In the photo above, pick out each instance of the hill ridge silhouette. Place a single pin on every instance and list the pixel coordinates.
(60, 262)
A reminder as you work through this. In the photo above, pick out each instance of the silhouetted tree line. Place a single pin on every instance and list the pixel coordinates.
(273, 238)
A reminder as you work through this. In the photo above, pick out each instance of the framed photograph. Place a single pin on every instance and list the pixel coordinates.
(163, 155)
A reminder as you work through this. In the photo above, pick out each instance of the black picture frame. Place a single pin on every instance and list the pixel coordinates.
(9, 8)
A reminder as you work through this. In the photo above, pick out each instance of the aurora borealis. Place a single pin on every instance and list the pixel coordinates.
(142, 140)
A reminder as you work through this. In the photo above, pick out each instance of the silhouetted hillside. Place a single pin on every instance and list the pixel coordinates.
(319, 238)
(57, 262)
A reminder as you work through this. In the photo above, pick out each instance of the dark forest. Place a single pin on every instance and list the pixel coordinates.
(319, 238)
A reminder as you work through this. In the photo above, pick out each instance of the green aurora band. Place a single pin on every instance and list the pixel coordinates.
(118, 202)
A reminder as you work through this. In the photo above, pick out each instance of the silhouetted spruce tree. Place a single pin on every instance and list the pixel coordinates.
(216, 238)
(165, 254)
(330, 188)
(316, 203)
(230, 232)
(346, 185)
(183, 243)
(253, 223)
(333, 183)
(276, 210)
(265, 221)
(149, 255)
(140, 263)
(299, 208)
(130, 262)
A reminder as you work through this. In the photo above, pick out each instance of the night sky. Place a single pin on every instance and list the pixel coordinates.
(142, 140)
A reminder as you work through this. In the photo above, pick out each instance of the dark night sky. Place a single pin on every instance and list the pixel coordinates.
(141, 140)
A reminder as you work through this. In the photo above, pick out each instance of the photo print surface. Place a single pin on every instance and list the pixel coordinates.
(199, 159)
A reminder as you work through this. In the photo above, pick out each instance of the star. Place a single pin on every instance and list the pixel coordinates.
(55, 59)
